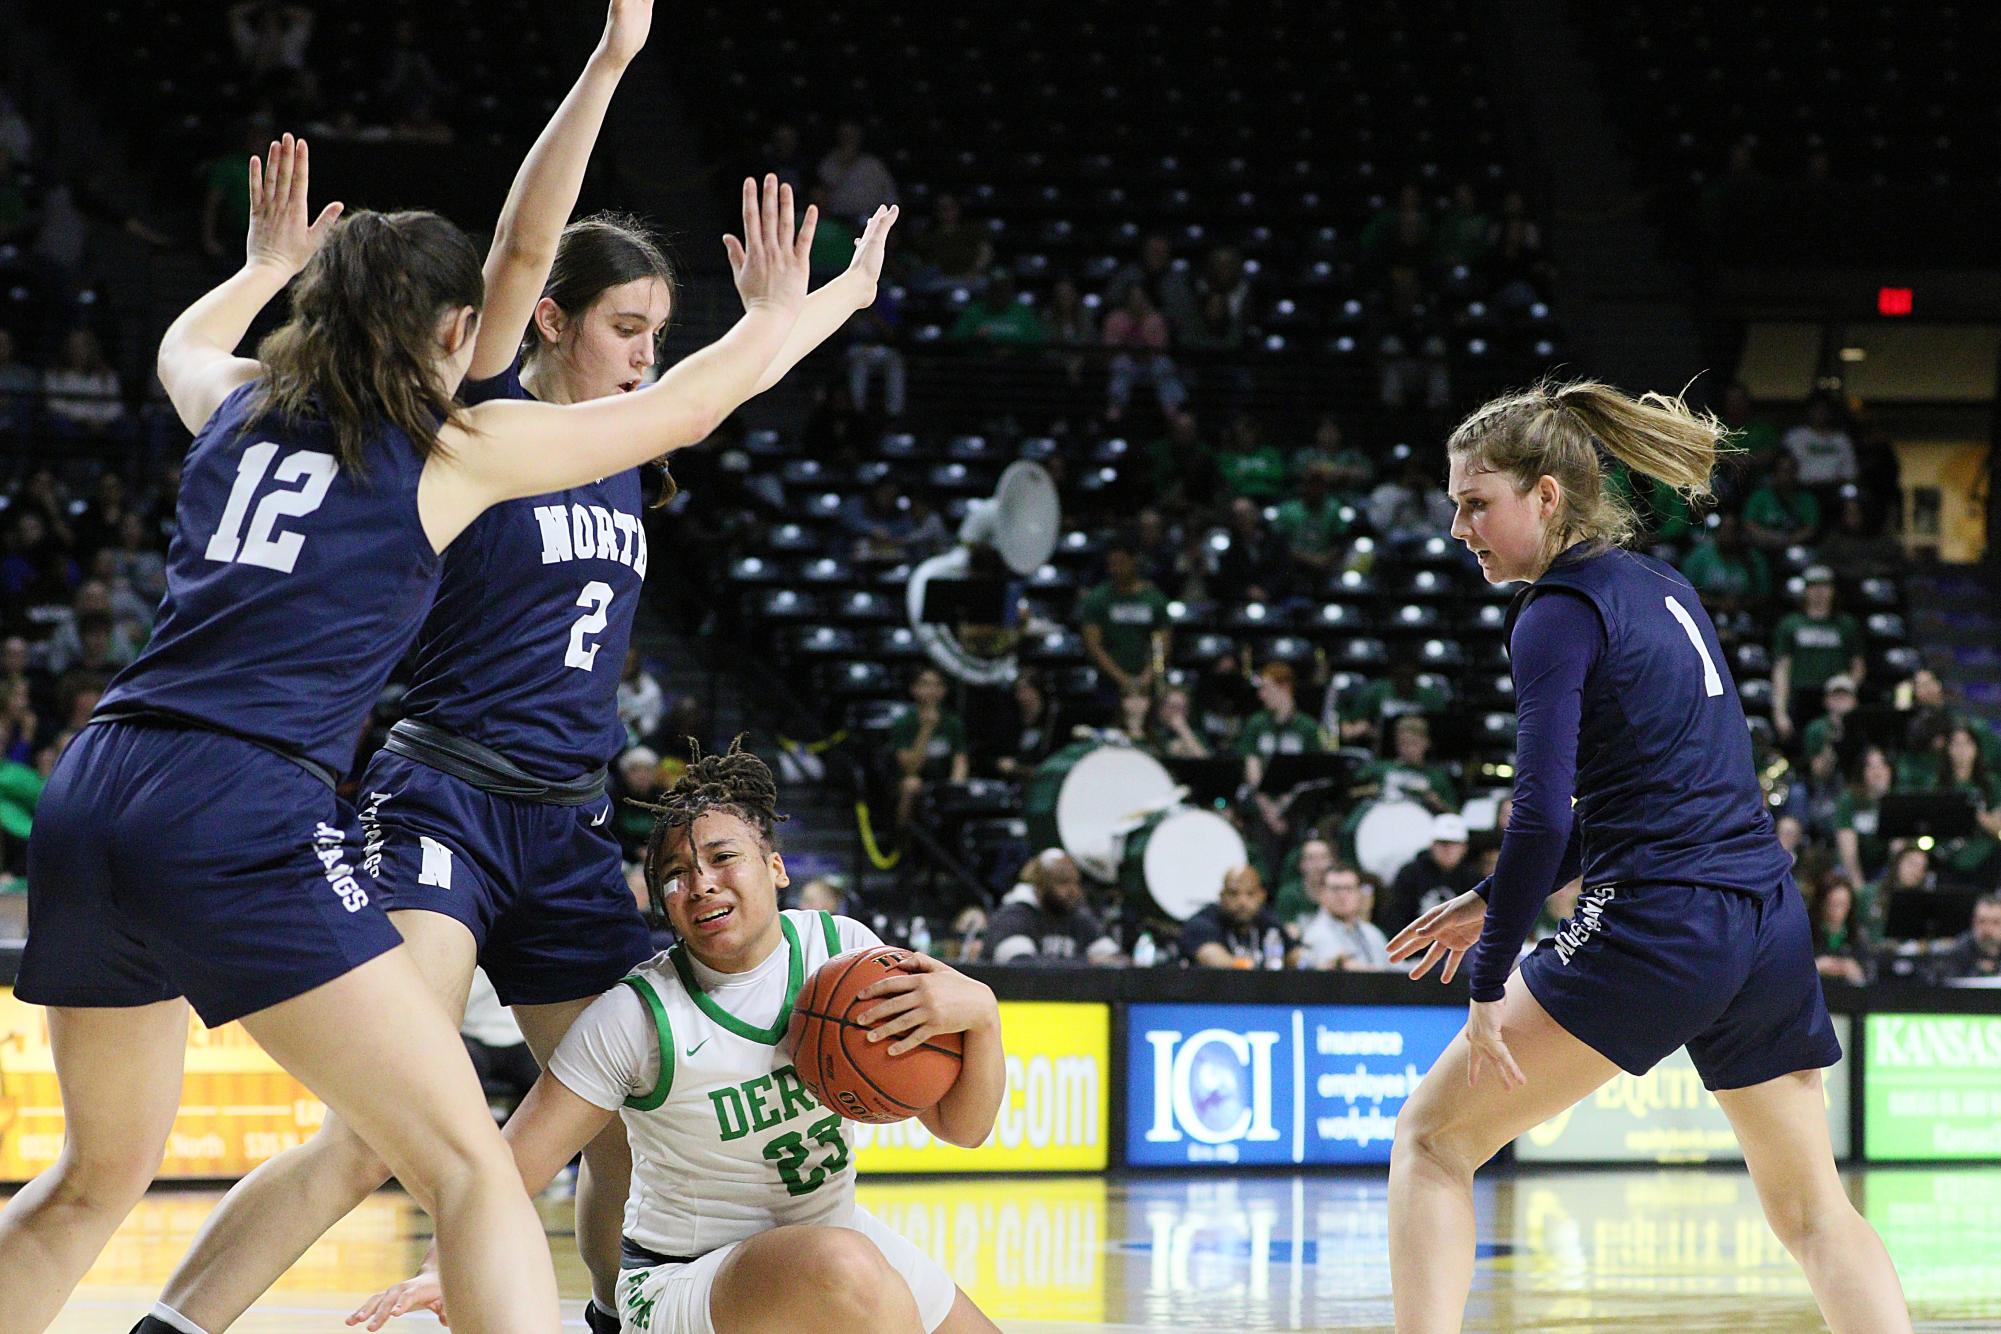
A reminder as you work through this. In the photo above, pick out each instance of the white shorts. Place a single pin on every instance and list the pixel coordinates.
(674, 1299)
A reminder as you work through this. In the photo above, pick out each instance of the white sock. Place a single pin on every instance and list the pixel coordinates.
(167, 1315)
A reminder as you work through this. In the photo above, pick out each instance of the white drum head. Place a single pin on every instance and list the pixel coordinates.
(1186, 859)
(1390, 835)
(1104, 795)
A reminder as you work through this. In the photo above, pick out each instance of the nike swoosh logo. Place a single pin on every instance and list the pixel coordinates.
(697, 1047)
(601, 817)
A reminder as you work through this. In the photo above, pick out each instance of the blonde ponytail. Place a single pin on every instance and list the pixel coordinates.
(1560, 430)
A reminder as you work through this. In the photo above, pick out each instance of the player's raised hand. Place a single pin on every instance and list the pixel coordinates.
(626, 24)
(869, 247)
(1445, 933)
(913, 1006)
(772, 261)
(279, 233)
(422, 1293)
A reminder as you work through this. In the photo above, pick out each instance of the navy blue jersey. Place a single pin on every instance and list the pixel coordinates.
(293, 588)
(1667, 792)
(523, 649)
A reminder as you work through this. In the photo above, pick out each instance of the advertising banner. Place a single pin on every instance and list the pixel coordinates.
(1022, 1250)
(1666, 1116)
(1254, 1084)
(1931, 1087)
(238, 1107)
(1054, 1117)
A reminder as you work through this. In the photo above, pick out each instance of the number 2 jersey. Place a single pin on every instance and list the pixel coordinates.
(293, 586)
(726, 1140)
(523, 649)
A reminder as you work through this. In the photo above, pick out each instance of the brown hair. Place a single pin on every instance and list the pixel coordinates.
(1559, 431)
(736, 783)
(360, 349)
(595, 254)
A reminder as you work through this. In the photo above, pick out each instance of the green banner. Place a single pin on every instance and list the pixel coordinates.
(1932, 1087)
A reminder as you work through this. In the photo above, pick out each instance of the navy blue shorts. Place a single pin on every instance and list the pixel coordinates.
(171, 861)
(540, 886)
(1639, 970)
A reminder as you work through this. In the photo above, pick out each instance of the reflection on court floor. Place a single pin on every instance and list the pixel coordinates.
(1570, 1251)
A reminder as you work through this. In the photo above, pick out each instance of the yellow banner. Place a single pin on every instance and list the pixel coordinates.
(238, 1107)
(1053, 1118)
(1033, 1251)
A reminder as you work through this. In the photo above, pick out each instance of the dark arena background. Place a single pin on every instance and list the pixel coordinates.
(1229, 273)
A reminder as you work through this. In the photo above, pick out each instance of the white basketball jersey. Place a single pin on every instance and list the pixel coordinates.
(727, 1141)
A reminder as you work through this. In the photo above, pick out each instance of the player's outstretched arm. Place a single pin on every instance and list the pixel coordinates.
(934, 999)
(508, 448)
(836, 302)
(545, 191)
(197, 361)
(548, 1129)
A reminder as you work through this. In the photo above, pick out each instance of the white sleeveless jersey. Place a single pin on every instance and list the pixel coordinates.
(727, 1141)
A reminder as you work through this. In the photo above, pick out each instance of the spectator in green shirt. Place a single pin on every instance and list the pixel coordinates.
(1781, 513)
(1392, 696)
(1354, 470)
(1410, 776)
(1838, 698)
(1858, 839)
(1810, 647)
(1751, 432)
(1312, 525)
(995, 319)
(1279, 728)
(1180, 467)
(1966, 772)
(1729, 573)
(1250, 467)
(1308, 865)
(929, 742)
(1124, 624)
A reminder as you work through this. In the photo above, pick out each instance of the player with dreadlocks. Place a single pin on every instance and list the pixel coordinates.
(742, 1213)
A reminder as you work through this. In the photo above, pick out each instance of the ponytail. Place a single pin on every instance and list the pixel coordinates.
(1566, 432)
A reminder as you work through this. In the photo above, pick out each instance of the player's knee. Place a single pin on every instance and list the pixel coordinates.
(1434, 1141)
(849, 1279)
(358, 1168)
(106, 1178)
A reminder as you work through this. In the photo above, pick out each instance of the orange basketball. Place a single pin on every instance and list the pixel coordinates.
(856, 1077)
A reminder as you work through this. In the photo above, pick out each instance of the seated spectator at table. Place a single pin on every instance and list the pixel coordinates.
(1811, 647)
(1729, 573)
(1044, 919)
(1438, 873)
(1338, 937)
(81, 391)
(1409, 775)
(881, 521)
(995, 319)
(1977, 952)
(1124, 623)
(1254, 567)
(1838, 946)
(1027, 729)
(1312, 525)
(1251, 465)
(1173, 728)
(1821, 445)
(1279, 728)
(1238, 931)
(855, 181)
(1971, 857)
(1858, 842)
(1299, 878)
(951, 252)
(819, 894)
(1781, 513)
(1137, 336)
(928, 741)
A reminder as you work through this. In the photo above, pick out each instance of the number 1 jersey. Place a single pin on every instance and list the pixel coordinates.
(293, 586)
(523, 650)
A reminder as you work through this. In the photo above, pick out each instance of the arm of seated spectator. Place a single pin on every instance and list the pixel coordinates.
(1213, 955)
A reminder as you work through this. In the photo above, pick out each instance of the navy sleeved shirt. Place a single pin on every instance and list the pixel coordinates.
(1556, 643)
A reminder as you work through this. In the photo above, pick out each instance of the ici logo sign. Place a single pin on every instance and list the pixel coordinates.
(1213, 1086)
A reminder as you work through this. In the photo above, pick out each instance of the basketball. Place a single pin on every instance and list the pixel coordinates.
(848, 1073)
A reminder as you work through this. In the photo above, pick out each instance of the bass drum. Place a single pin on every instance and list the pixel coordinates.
(1084, 797)
(1178, 858)
(1389, 834)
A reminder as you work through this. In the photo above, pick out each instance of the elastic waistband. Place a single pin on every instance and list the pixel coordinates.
(631, 1255)
(486, 768)
(149, 715)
